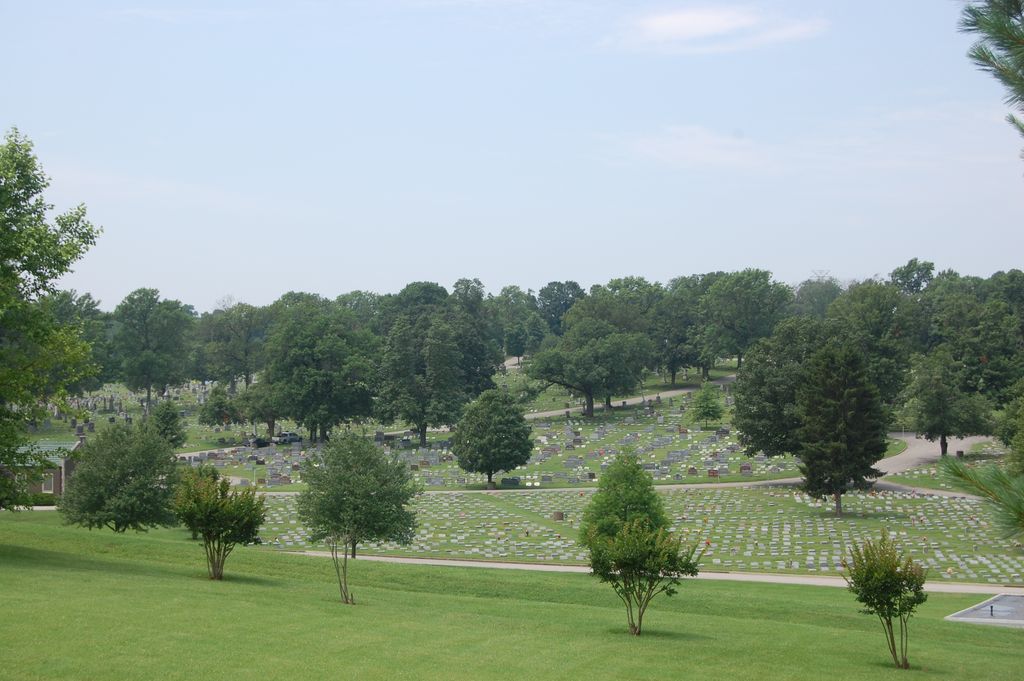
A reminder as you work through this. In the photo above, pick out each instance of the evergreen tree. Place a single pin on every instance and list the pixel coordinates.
(843, 428)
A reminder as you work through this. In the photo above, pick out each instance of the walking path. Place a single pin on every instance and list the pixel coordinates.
(763, 578)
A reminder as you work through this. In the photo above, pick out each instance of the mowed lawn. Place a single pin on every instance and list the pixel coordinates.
(92, 605)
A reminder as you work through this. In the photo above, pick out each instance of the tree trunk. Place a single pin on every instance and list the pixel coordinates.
(422, 428)
(607, 401)
(149, 397)
(588, 407)
(943, 445)
(271, 422)
(353, 548)
(739, 360)
(233, 386)
(673, 372)
(839, 503)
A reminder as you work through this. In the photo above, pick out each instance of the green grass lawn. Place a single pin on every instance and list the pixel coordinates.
(931, 477)
(92, 605)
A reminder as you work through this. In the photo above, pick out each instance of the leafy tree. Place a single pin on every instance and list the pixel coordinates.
(742, 307)
(627, 304)
(675, 326)
(890, 586)
(169, 424)
(151, 339)
(492, 435)
(707, 404)
(233, 342)
(356, 494)
(82, 311)
(1003, 490)
(123, 480)
(555, 299)
(40, 358)
(1000, 25)
(843, 429)
(813, 296)
(626, 531)
(223, 519)
(913, 277)
(593, 359)
(886, 325)
(766, 386)
(437, 355)
(262, 402)
(219, 409)
(319, 362)
(936, 403)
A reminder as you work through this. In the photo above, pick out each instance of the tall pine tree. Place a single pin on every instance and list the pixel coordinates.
(843, 427)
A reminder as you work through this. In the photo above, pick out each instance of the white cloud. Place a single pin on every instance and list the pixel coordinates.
(708, 30)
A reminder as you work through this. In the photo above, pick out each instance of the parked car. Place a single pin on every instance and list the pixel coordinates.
(257, 442)
(288, 437)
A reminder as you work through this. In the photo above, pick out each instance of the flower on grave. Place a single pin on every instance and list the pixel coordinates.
(707, 542)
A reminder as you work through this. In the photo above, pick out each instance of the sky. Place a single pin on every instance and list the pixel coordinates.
(247, 149)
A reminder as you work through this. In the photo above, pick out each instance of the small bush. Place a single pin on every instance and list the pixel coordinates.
(890, 586)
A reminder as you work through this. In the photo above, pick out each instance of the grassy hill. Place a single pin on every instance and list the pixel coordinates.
(92, 605)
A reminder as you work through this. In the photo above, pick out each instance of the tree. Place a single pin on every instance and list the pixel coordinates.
(319, 362)
(593, 359)
(1000, 25)
(936, 403)
(219, 409)
(890, 586)
(262, 402)
(356, 494)
(741, 307)
(232, 340)
(813, 296)
(914, 277)
(626, 531)
(766, 386)
(223, 519)
(82, 311)
(150, 342)
(675, 326)
(843, 429)
(1003, 490)
(492, 435)
(169, 424)
(707, 404)
(123, 480)
(39, 357)
(555, 299)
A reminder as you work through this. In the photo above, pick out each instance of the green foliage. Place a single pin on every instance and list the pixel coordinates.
(219, 409)
(843, 429)
(641, 562)
(123, 480)
(356, 494)
(232, 341)
(626, 531)
(707, 404)
(1000, 25)
(492, 435)
(766, 386)
(890, 586)
(741, 307)
(40, 358)
(1003, 490)
(319, 363)
(593, 359)
(813, 296)
(169, 424)
(555, 299)
(625, 492)
(223, 519)
(936, 403)
(150, 343)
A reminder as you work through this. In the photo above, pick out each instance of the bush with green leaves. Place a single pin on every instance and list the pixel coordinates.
(492, 435)
(890, 586)
(625, 528)
(123, 479)
(222, 518)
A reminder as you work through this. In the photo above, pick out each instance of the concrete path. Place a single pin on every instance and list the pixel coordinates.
(763, 578)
